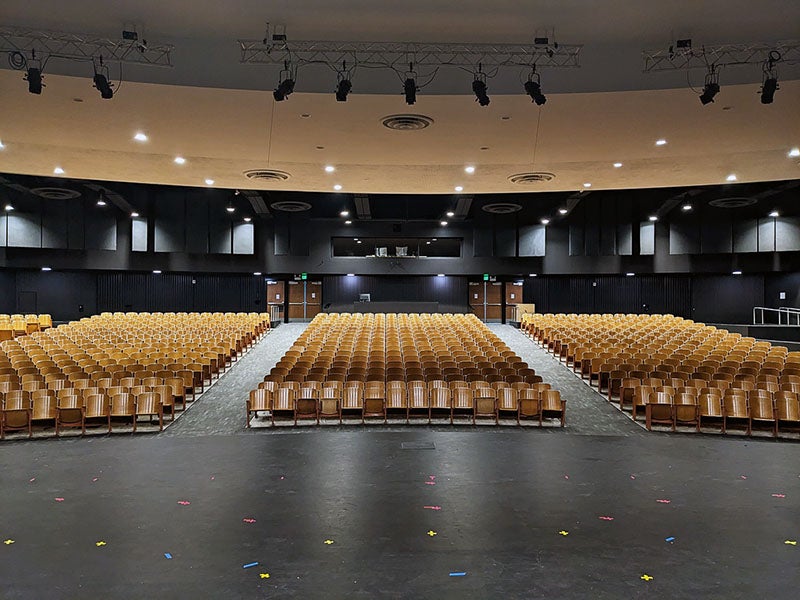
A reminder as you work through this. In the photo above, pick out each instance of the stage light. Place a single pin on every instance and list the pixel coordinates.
(8, 208)
(711, 88)
(344, 213)
(533, 275)
(284, 89)
(440, 274)
(157, 272)
(248, 219)
(351, 274)
(348, 222)
(479, 89)
(768, 90)
(686, 207)
(342, 89)
(450, 213)
(774, 214)
(562, 211)
(534, 90)
(103, 86)
(46, 269)
(736, 273)
(34, 79)
(410, 90)
(443, 223)
(134, 214)
(629, 274)
(101, 202)
(545, 221)
(661, 142)
(653, 218)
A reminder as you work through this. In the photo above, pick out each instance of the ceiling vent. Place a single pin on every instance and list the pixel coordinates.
(407, 122)
(502, 208)
(54, 193)
(732, 202)
(267, 175)
(531, 178)
(291, 206)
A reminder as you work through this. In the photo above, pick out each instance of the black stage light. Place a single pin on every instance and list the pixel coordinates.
(102, 84)
(34, 78)
(768, 90)
(534, 90)
(479, 89)
(410, 89)
(342, 89)
(284, 89)
(710, 90)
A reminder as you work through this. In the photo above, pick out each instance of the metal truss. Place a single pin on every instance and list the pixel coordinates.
(398, 55)
(725, 55)
(71, 46)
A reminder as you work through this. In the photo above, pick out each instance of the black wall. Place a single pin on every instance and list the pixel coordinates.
(450, 292)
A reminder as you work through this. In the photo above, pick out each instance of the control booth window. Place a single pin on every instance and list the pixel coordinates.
(397, 247)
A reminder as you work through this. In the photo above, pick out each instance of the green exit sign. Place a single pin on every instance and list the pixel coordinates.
(486, 277)
(303, 276)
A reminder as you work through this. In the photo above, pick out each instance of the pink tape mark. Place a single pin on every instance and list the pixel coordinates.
(281, 477)
(430, 483)
(779, 495)
(433, 507)
(95, 479)
(663, 501)
(212, 478)
(249, 520)
(58, 499)
(431, 476)
(566, 476)
(184, 502)
(633, 476)
(742, 476)
(606, 518)
(32, 479)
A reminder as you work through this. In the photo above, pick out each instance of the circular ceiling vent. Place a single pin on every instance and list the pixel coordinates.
(732, 202)
(54, 193)
(267, 175)
(531, 178)
(291, 206)
(502, 208)
(407, 122)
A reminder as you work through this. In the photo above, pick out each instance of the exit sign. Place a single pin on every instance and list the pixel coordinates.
(486, 277)
(303, 276)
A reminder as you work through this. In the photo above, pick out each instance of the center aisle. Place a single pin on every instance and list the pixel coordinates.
(220, 411)
(588, 413)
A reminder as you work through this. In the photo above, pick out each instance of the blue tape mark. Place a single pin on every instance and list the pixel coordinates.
(670, 539)
(459, 574)
(248, 565)
(167, 555)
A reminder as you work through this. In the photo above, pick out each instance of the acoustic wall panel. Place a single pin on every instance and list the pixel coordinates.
(766, 235)
(196, 224)
(54, 225)
(624, 239)
(101, 230)
(532, 240)
(745, 236)
(169, 224)
(24, 230)
(576, 240)
(299, 235)
(244, 239)
(483, 240)
(281, 232)
(684, 237)
(505, 236)
(3, 228)
(716, 237)
(220, 236)
(787, 234)
(647, 238)
(75, 224)
(138, 234)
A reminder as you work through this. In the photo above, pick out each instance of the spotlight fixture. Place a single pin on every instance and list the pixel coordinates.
(358, 241)
(329, 168)
(157, 272)
(348, 222)
(342, 89)
(8, 208)
(410, 90)
(769, 81)
(179, 160)
(653, 218)
(257, 273)
(34, 78)
(533, 87)
(103, 86)
(711, 88)
(470, 169)
(629, 274)
(101, 202)
(545, 221)
(140, 136)
(284, 89)
(774, 214)
(794, 153)
(344, 213)
(686, 207)
(440, 274)
(450, 213)
(351, 274)
(533, 274)
(562, 211)
(58, 171)
(736, 273)
(134, 214)
(443, 223)
(247, 219)
(46, 269)
(230, 208)
(479, 89)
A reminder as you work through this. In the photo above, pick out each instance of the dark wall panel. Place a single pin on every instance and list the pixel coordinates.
(281, 233)
(624, 239)
(8, 291)
(684, 237)
(726, 298)
(716, 237)
(450, 292)
(745, 236)
(169, 223)
(75, 224)
(61, 295)
(299, 235)
(196, 224)
(505, 236)
(54, 225)
(219, 232)
(788, 283)
(101, 230)
(576, 240)
(483, 240)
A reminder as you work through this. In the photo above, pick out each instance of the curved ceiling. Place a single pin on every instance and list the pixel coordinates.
(221, 117)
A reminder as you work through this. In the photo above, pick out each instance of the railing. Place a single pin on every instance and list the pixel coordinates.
(787, 315)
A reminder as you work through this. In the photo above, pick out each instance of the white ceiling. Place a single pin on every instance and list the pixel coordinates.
(220, 115)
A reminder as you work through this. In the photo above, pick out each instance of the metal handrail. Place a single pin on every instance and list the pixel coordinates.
(791, 314)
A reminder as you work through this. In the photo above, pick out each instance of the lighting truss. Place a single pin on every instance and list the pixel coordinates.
(398, 55)
(72, 46)
(724, 55)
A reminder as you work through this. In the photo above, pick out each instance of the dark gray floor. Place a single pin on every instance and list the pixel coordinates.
(505, 494)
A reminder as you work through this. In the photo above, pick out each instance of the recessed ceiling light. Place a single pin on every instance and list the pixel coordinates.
(156, 272)
(459, 188)
(257, 273)
(562, 211)
(736, 273)
(337, 187)
(358, 241)
(686, 207)
(134, 214)
(587, 185)
(230, 208)
(661, 142)
(344, 213)
(443, 223)
(774, 214)
(617, 165)
(2, 145)
(793, 153)
(329, 168)
(427, 243)
(351, 274)
(545, 221)
(629, 274)
(433, 239)
(731, 177)
(450, 213)
(532, 275)
(209, 182)
(58, 171)
(9, 207)
(248, 219)
(179, 160)
(470, 169)
(653, 218)
(46, 269)
(101, 202)
(140, 137)
(348, 222)
(440, 274)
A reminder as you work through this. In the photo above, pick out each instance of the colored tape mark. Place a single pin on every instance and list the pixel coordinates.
(664, 501)
(167, 555)
(458, 574)
(779, 495)
(433, 507)
(669, 539)
(248, 565)
(606, 518)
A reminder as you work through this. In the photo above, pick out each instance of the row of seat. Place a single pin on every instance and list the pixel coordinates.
(415, 399)
(12, 326)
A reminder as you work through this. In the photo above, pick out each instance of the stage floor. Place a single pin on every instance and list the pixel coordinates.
(523, 513)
